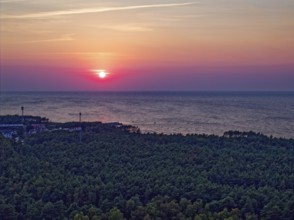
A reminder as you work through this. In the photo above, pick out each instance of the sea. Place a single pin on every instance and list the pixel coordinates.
(207, 112)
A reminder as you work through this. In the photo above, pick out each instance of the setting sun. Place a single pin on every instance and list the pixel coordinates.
(101, 73)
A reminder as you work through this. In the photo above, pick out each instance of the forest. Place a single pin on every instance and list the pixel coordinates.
(112, 173)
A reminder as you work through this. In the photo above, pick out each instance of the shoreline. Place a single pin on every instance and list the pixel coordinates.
(38, 124)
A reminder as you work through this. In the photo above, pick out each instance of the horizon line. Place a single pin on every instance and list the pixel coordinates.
(126, 91)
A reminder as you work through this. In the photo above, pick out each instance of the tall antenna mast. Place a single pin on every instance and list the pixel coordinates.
(22, 109)
(80, 119)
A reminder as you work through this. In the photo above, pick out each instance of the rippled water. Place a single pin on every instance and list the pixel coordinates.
(271, 113)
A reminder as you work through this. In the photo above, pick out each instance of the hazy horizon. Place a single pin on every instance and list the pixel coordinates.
(151, 91)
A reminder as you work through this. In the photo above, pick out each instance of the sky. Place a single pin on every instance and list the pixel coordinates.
(53, 45)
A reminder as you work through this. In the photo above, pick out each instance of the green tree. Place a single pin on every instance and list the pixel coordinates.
(115, 214)
(7, 212)
(48, 211)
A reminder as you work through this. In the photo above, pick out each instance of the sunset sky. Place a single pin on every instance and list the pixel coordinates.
(147, 45)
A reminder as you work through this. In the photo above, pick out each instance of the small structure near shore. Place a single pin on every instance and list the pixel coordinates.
(10, 131)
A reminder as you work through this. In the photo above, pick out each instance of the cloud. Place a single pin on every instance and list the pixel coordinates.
(11, 1)
(91, 54)
(63, 38)
(128, 28)
(91, 10)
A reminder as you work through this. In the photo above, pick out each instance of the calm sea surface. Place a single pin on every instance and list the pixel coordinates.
(271, 113)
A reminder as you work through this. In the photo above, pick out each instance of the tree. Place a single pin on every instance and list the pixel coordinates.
(7, 212)
(48, 211)
(115, 214)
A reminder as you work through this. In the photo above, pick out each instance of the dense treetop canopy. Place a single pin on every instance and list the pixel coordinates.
(115, 174)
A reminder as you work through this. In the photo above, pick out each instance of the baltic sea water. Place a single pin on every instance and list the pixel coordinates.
(271, 113)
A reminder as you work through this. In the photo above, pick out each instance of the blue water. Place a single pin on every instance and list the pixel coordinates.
(271, 113)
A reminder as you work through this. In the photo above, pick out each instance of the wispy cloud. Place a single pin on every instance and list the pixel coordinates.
(128, 28)
(10, 1)
(63, 38)
(91, 10)
(96, 54)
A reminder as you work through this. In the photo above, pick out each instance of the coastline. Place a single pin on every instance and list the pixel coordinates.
(17, 126)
